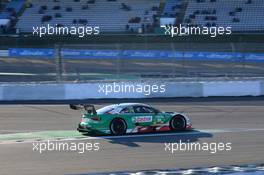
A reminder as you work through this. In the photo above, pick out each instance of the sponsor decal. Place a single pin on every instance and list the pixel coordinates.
(142, 119)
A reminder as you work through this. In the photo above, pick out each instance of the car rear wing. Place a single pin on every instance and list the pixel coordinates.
(87, 107)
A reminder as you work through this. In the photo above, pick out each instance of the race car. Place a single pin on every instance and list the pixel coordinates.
(124, 118)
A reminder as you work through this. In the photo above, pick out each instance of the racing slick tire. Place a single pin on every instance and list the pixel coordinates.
(178, 123)
(118, 126)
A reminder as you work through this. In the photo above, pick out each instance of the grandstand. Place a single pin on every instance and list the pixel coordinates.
(11, 9)
(109, 15)
(241, 15)
(172, 8)
(121, 16)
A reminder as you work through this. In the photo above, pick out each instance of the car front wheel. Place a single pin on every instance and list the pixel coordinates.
(118, 126)
(178, 123)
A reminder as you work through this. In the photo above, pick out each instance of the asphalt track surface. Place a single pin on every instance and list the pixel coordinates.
(240, 122)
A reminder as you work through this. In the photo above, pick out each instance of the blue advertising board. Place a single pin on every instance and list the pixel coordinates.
(70, 53)
(136, 54)
(29, 52)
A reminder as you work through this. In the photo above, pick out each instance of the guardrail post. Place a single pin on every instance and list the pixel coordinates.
(58, 62)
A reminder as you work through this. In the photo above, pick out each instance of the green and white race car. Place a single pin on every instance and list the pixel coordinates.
(123, 118)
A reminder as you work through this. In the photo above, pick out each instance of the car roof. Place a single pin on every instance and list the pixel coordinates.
(131, 104)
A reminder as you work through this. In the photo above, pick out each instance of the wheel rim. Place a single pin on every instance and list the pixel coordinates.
(178, 123)
(118, 127)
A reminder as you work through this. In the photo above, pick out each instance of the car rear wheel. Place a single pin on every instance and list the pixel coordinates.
(118, 127)
(178, 123)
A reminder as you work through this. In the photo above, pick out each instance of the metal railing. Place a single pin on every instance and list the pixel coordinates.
(61, 68)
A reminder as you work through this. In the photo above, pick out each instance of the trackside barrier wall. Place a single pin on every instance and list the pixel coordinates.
(262, 87)
(81, 91)
(1, 93)
(32, 92)
(9, 92)
(181, 89)
(232, 88)
(92, 91)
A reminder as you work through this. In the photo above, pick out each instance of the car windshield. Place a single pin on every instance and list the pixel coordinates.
(111, 109)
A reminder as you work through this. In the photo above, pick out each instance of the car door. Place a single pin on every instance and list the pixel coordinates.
(144, 116)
